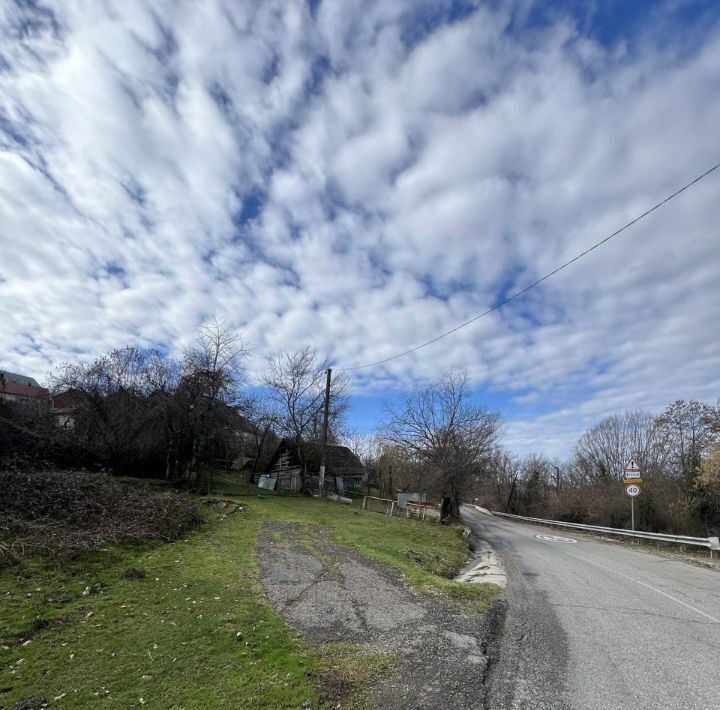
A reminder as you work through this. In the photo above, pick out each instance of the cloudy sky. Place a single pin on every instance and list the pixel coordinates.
(361, 176)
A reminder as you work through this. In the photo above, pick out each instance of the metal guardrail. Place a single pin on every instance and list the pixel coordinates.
(711, 543)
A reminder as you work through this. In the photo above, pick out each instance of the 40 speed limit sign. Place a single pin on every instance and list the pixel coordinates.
(632, 490)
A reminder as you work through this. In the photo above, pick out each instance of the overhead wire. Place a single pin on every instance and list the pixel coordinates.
(535, 283)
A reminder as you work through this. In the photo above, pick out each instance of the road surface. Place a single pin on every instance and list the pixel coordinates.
(594, 626)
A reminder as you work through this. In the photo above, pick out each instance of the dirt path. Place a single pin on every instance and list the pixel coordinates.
(334, 594)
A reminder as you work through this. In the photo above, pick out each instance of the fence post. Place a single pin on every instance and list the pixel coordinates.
(392, 507)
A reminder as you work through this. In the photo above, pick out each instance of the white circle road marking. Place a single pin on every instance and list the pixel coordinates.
(555, 538)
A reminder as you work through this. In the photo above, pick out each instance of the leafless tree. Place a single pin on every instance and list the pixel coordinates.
(688, 432)
(296, 384)
(502, 472)
(440, 426)
(112, 415)
(137, 410)
(395, 468)
(365, 446)
(213, 370)
(707, 491)
(604, 449)
(263, 418)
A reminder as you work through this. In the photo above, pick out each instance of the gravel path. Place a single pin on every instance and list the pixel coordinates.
(332, 593)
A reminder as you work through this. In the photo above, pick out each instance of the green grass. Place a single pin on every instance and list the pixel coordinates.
(232, 484)
(429, 555)
(197, 632)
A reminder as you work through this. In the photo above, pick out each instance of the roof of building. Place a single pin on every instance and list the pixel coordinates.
(339, 460)
(14, 386)
(19, 379)
(67, 400)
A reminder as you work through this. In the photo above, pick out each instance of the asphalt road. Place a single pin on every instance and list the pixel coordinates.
(591, 625)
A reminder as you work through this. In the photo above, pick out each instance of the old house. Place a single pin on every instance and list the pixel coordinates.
(24, 392)
(20, 388)
(297, 467)
(64, 407)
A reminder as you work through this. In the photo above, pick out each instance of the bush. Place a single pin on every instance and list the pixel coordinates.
(61, 512)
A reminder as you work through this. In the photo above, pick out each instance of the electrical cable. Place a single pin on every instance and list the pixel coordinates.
(523, 291)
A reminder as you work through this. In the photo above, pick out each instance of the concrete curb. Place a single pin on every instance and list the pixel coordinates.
(485, 568)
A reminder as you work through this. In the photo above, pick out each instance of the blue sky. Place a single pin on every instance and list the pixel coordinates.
(360, 176)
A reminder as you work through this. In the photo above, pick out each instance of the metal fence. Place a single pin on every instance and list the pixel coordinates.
(420, 511)
(380, 505)
(711, 543)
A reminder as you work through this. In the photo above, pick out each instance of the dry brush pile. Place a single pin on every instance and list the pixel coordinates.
(63, 512)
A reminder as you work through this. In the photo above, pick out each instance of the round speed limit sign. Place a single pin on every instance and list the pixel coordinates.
(632, 490)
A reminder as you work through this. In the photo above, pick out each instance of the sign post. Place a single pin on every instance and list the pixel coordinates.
(632, 483)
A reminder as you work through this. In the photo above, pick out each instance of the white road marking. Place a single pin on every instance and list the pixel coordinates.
(555, 538)
(648, 586)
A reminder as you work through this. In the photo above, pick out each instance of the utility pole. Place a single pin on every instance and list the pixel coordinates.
(510, 497)
(325, 432)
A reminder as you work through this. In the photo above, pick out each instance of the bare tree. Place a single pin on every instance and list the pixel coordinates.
(263, 418)
(395, 468)
(535, 474)
(137, 411)
(604, 449)
(440, 426)
(502, 471)
(688, 432)
(364, 446)
(296, 384)
(113, 417)
(707, 491)
(213, 371)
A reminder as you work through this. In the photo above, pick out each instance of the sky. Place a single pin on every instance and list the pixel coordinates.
(360, 176)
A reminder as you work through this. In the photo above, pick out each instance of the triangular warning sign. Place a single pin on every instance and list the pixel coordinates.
(632, 465)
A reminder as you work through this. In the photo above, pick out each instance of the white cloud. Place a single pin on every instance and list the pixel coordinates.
(398, 171)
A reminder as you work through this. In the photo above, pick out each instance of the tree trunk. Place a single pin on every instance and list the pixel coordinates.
(450, 509)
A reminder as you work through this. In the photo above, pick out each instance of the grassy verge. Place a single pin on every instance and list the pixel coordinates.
(196, 632)
(428, 555)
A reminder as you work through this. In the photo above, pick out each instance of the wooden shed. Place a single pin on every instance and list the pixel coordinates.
(297, 467)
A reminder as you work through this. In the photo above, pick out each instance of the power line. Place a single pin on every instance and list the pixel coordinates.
(523, 291)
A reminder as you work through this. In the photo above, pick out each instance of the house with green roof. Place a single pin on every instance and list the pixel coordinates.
(20, 387)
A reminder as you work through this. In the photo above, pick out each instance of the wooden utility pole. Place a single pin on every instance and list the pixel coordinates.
(512, 493)
(325, 433)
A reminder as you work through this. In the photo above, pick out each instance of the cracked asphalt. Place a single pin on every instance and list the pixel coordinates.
(332, 593)
(594, 626)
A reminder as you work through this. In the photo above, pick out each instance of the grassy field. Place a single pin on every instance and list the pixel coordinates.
(196, 632)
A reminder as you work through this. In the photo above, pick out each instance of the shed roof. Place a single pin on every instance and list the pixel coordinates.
(339, 460)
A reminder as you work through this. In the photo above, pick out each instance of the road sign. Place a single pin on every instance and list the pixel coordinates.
(627, 481)
(632, 466)
(632, 490)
